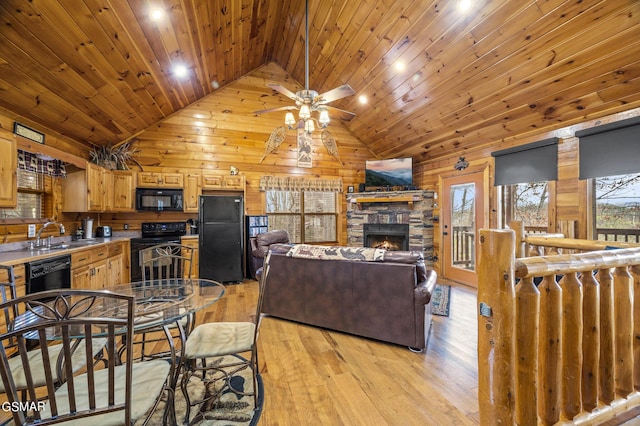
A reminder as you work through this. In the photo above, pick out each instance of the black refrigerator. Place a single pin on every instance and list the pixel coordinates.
(220, 240)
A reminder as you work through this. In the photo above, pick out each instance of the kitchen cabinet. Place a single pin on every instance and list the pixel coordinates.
(160, 180)
(100, 267)
(120, 190)
(220, 181)
(83, 190)
(8, 170)
(192, 241)
(192, 191)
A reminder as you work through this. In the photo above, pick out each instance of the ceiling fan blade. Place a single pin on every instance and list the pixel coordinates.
(335, 94)
(343, 115)
(284, 108)
(288, 93)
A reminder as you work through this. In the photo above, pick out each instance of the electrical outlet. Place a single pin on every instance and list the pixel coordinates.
(32, 231)
(126, 226)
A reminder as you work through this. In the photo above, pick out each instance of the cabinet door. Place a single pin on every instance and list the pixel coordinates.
(173, 180)
(210, 181)
(80, 278)
(191, 192)
(8, 171)
(149, 179)
(95, 187)
(99, 276)
(234, 182)
(107, 187)
(116, 265)
(124, 187)
(195, 265)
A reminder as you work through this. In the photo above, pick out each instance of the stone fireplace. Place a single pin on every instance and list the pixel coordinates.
(382, 212)
(389, 236)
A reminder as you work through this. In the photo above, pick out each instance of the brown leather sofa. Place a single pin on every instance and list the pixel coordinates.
(260, 245)
(386, 300)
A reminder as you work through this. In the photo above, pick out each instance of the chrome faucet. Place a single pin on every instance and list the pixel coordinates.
(60, 226)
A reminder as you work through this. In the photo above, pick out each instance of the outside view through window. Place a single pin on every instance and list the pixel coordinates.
(617, 205)
(531, 205)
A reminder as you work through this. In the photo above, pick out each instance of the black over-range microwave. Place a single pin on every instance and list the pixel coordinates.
(156, 199)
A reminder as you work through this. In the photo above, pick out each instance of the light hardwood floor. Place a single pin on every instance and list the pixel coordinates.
(313, 376)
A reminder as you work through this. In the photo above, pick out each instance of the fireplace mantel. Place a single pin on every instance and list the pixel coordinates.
(396, 199)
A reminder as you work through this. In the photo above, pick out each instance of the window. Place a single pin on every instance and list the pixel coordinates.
(308, 216)
(617, 208)
(31, 196)
(528, 203)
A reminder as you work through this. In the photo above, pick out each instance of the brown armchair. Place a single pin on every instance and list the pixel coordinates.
(260, 246)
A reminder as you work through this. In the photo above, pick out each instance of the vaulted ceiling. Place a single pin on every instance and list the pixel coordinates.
(101, 71)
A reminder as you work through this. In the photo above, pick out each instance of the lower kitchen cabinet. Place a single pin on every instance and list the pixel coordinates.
(192, 241)
(100, 267)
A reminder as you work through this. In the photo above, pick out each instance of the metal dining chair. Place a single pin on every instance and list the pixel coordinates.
(110, 393)
(165, 262)
(217, 339)
(9, 312)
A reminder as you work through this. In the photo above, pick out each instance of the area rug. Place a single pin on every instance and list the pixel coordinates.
(440, 300)
(226, 409)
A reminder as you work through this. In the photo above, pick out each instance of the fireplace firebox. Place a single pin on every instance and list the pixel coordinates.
(389, 236)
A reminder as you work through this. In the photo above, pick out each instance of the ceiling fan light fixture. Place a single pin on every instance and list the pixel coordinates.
(309, 127)
(324, 119)
(305, 112)
(289, 120)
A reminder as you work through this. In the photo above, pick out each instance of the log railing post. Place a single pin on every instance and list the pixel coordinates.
(623, 295)
(527, 325)
(636, 326)
(550, 349)
(572, 322)
(590, 341)
(496, 320)
(607, 336)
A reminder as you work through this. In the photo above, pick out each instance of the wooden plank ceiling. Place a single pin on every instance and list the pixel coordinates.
(100, 71)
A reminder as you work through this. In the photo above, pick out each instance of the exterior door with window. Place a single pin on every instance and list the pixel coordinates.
(462, 216)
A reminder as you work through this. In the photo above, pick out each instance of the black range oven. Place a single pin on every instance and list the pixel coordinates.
(154, 233)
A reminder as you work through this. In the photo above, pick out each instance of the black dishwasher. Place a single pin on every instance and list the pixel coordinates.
(48, 274)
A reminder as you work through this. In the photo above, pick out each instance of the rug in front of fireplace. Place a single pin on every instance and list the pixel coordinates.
(440, 300)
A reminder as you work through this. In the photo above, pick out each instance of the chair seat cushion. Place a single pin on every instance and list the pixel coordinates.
(148, 381)
(220, 338)
(37, 364)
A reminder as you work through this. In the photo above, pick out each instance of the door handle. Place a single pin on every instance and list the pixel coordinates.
(445, 233)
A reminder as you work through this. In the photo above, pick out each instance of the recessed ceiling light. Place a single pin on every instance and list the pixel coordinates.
(464, 5)
(399, 66)
(363, 99)
(156, 14)
(180, 71)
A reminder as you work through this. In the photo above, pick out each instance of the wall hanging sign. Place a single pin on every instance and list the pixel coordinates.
(28, 132)
(304, 148)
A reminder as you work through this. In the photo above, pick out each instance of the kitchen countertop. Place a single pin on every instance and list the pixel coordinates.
(26, 255)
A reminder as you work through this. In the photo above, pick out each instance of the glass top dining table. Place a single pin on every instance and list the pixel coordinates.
(158, 303)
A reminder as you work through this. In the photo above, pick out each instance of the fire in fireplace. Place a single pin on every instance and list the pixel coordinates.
(389, 236)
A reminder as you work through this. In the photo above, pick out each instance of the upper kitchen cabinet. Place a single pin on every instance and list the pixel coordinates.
(8, 173)
(218, 181)
(83, 190)
(120, 187)
(160, 180)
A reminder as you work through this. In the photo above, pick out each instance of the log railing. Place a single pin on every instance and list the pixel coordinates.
(564, 351)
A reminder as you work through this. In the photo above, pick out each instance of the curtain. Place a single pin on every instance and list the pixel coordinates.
(534, 162)
(289, 183)
(41, 164)
(610, 149)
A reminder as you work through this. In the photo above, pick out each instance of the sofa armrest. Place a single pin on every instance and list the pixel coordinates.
(424, 288)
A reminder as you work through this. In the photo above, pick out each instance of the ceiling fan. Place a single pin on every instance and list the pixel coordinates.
(308, 101)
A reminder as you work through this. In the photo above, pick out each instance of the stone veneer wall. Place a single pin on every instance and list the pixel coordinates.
(419, 217)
